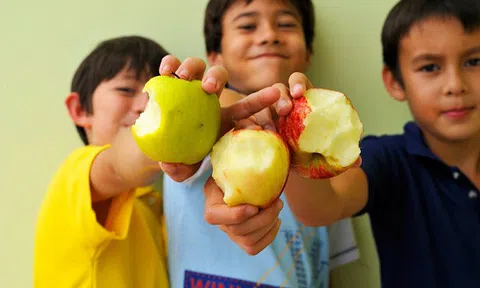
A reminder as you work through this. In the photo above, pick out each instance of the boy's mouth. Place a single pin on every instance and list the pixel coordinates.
(269, 55)
(458, 113)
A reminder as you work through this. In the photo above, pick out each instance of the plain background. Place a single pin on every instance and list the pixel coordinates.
(43, 42)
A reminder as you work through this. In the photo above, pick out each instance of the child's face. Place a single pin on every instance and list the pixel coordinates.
(440, 65)
(262, 44)
(117, 103)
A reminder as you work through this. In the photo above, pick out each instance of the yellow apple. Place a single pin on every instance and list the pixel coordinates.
(323, 132)
(250, 166)
(180, 123)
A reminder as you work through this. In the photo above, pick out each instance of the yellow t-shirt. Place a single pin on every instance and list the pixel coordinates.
(73, 250)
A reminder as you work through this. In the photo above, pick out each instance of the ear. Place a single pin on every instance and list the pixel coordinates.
(392, 85)
(79, 115)
(215, 59)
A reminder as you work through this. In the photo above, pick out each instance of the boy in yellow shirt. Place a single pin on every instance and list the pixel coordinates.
(100, 224)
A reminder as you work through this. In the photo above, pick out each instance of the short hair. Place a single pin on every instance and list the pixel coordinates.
(212, 27)
(107, 60)
(406, 13)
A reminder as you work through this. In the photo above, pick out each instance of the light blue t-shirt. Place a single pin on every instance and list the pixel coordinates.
(200, 255)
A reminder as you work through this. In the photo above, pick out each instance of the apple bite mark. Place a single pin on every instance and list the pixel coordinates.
(323, 132)
(250, 166)
(180, 123)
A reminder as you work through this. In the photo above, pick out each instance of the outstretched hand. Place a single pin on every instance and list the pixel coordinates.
(213, 81)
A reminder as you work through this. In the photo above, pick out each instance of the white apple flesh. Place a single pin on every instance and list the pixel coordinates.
(250, 166)
(180, 123)
(323, 132)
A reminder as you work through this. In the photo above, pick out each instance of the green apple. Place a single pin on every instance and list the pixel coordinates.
(180, 123)
(250, 166)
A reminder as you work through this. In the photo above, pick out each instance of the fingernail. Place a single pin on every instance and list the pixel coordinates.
(169, 168)
(166, 69)
(250, 210)
(183, 74)
(282, 104)
(297, 89)
(211, 81)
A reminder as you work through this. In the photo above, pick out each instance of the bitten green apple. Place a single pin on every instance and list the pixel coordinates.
(180, 123)
(250, 166)
(323, 132)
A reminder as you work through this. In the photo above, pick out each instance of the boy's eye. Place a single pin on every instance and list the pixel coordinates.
(287, 25)
(473, 62)
(126, 90)
(247, 27)
(429, 68)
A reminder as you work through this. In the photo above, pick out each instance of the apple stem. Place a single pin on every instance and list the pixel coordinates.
(176, 76)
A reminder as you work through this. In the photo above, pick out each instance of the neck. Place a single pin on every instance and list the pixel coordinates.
(462, 154)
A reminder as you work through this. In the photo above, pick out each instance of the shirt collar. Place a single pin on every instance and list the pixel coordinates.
(416, 143)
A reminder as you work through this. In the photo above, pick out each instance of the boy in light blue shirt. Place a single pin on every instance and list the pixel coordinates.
(260, 43)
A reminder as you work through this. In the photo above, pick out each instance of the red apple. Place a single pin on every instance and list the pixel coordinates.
(250, 166)
(323, 132)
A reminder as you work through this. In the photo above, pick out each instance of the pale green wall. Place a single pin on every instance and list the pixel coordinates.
(42, 42)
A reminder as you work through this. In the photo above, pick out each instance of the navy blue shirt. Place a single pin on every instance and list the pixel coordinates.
(425, 215)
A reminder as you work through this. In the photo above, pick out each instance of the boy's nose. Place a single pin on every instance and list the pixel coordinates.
(455, 84)
(269, 35)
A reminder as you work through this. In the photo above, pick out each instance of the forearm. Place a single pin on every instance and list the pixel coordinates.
(121, 168)
(323, 202)
(313, 202)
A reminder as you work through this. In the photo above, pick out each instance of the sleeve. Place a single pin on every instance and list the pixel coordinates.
(67, 221)
(382, 165)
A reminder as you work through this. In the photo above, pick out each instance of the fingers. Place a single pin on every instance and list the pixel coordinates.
(168, 65)
(298, 84)
(219, 213)
(284, 105)
(263, 219)
(215, 79)
(180, 172)
(248, 123)
(191, 68)
(249, 245)
(264, 119)
(250, 228)
(248, 106)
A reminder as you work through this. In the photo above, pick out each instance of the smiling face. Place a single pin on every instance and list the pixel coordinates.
(116, 103)
(440, 66)
(262, 44)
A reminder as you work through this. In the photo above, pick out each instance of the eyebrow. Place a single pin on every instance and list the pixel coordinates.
(472, 51)
(426, 57)
(254, 13)
(436, 57)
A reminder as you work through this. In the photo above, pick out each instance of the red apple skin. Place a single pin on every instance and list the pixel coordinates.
(307, 165)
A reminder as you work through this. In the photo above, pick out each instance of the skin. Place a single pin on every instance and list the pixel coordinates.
(440, 66)
(118, 102)
(262, 44)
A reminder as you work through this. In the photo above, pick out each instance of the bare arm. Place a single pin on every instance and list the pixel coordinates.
(322, 202)
(121, 168)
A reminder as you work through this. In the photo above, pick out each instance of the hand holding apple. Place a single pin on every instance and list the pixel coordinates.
(251, 228)
(250, 166)
(323, 130)
(213, 81)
